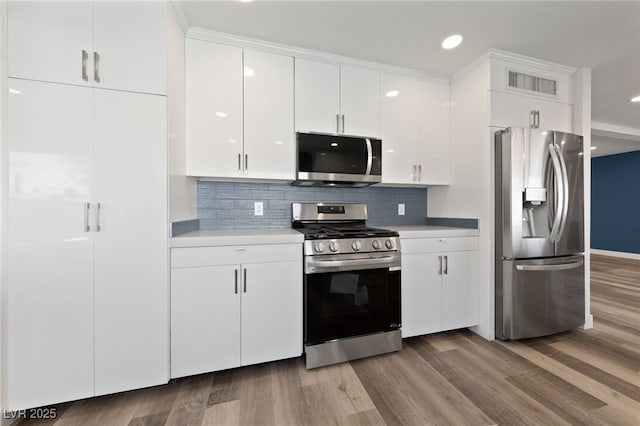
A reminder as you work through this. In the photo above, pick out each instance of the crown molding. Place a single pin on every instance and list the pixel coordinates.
(299, 52)
(614, 131)
(180, 14)
(530, 62)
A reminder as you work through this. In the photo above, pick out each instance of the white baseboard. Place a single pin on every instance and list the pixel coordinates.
(611, 253)
(588, 322)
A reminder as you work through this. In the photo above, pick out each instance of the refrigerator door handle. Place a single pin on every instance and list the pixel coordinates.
(557, 172)
(565, 190)
(552, 267)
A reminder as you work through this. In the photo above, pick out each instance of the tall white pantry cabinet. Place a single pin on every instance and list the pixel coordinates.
(86, 290)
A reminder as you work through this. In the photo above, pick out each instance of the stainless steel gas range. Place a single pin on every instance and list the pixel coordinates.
(351, 284)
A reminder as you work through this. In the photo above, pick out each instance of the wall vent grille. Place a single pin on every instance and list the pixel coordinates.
(520, 80)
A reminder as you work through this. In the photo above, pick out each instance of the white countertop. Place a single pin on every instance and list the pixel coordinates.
(231, 237)
(428, 231)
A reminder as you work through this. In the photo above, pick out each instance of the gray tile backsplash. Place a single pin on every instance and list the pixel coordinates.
(230, 205)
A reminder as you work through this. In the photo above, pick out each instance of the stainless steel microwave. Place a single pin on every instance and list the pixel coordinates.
(337, 160)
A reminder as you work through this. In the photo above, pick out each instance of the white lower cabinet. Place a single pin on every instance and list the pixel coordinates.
(439, 291)
(233, 306)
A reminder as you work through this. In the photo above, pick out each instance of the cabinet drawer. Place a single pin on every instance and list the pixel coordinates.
(230, 255)
(430, 245)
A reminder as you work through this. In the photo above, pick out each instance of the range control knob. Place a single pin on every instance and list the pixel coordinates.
(376, 244)
(333, 246)
(356, 245)
(389, 244)
(318, 247)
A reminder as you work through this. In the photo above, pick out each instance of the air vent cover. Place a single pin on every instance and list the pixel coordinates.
(520, 80)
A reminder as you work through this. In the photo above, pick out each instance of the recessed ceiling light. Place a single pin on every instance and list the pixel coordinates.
(392, 93)
(593, 147)
(334, 143)
(451, 41)
(635, 99)
(391, 150)
(221, 114)
(245, 1)
(14, 91)
(278, 142)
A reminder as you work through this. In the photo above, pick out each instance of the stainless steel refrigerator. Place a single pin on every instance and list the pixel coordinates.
(539, 233)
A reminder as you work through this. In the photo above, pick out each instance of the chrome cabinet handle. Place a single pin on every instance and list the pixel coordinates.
(337, 123)
(342, 123)
(419, 172)
(245, 279)
(236, 278)
(440, 269)
(85, 57)
(446, 265)
(239, 163)
(96, 67)
(87, 226)
(246, 163)
(98, 217)
(415, 172)
(534, 119)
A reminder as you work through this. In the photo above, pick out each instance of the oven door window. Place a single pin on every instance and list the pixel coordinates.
(353, 303)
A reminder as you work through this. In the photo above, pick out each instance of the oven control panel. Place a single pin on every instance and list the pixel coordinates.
(351, 245)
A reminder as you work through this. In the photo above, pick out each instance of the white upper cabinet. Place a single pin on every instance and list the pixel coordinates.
(114, 45)
(317, 96)
(414, 130)
(269, 142)
(360, 101)
(130, 40)
(434, 149)
(214, 109)
(239, 112)
(50, 41)
(516, 110)
(337, 99)
(400, 128)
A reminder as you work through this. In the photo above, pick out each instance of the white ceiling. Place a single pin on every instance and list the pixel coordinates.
(604, 36)
(609, 145)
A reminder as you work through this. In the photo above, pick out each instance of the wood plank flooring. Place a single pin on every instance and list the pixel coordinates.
(455, 378)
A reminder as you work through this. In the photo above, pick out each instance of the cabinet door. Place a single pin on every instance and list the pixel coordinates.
(400, 128)
(46, 40)
(360, 101)
(514, 110)
(460, 290)
(421, 294)
(131, 270)
(317, 96)
(271, 311)
(205, 319)
(433, 166)
(131, 41)
(49, 267)
(268, 116)
(214, 109)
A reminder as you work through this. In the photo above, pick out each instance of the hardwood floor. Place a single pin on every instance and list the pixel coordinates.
(455, 378)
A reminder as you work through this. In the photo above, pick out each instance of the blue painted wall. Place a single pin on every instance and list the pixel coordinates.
(615, 202)
(229, 205)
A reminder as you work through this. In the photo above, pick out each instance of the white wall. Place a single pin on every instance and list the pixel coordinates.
(182, 189)
(470, 193)
(582, 126)
(3, 201)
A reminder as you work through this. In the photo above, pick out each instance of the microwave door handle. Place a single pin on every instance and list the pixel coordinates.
(369, 157)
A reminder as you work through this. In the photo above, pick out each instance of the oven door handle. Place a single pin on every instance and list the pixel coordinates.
(385, 261)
